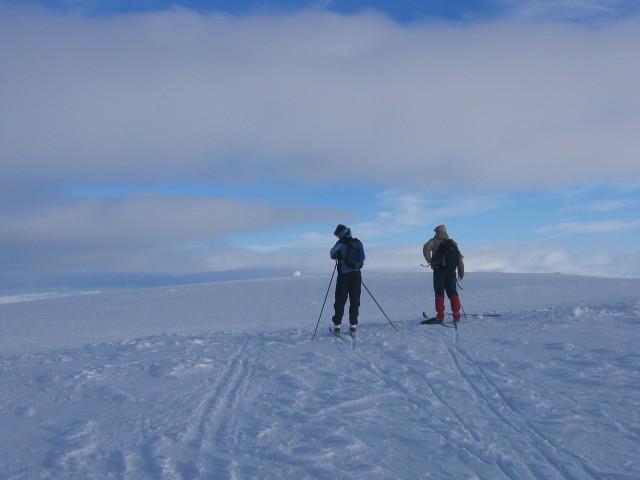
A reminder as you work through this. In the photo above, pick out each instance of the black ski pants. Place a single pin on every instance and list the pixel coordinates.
(444, 280)
(348, 285)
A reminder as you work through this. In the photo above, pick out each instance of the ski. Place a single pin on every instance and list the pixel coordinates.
(442, 323)
(475, 315)
(430, 321)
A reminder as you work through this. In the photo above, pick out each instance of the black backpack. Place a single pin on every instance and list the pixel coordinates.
(447, 256)
(354, 257)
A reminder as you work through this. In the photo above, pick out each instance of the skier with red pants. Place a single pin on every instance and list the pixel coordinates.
(444, 257)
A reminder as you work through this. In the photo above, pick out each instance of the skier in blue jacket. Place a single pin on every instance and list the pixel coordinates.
(349, 277)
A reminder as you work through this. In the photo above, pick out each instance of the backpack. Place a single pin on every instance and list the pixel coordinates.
(354, 257)
(447, 256)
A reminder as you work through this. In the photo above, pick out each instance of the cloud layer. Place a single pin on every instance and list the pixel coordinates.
(316, 95)
(313, 98)
(137, 234)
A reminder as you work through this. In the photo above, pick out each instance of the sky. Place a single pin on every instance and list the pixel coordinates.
(156, 139)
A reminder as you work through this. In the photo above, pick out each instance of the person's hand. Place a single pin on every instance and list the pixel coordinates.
(460, 276)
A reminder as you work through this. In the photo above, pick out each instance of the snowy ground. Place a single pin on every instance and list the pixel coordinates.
(223, 381)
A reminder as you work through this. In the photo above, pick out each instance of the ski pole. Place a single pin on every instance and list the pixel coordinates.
(460, 297)
(374, 299)
(325, 301)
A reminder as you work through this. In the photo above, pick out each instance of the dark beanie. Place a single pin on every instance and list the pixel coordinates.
(339, 229)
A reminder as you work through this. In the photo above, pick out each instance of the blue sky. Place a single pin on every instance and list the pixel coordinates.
(401, 11)
(405, 11)
(179, 138)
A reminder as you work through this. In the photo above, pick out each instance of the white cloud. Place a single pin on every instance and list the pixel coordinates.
(586, 228)
(604, 205)
(136, 234)
(542, 258)
(143, 220)
(316, 96)
(306, 241)
(402, 212)
(399, 213)
(564, 9)
(410, 209)
(505, 258)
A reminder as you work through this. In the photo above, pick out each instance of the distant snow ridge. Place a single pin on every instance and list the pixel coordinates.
(32, 297)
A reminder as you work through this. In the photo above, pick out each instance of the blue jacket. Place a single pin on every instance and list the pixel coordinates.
(339, 251)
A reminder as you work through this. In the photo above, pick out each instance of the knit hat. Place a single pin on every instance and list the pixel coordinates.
(339, 229)
(441, 231)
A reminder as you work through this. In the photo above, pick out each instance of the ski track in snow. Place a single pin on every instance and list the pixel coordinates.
(537, 394)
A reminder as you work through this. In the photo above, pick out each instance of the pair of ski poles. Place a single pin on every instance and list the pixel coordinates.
(327, 294)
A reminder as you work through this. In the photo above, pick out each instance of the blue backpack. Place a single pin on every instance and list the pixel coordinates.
(355, 253)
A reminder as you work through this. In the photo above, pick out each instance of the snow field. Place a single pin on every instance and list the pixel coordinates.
(539, 393)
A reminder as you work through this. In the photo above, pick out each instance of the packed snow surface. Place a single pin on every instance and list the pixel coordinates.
(224, 381)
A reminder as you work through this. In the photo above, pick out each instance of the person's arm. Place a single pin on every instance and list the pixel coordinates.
(335, 251)
(427, 251)
(461, 267)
